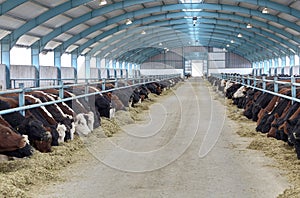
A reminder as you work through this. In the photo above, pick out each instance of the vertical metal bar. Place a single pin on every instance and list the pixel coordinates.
(103, 84)
(294, 94)
(116, 82)
(22, 98)
(86, 89)
(248, 80)
(275, 84)
(264, 82)
(61, 88)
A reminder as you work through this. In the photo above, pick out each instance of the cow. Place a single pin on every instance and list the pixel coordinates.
(84, 120)
(10, 140)
(39, 136)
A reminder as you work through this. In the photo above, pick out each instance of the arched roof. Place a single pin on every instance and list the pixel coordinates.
(87, 28)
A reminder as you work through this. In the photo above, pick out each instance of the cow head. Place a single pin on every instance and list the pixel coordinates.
(44, 145)
(10, 140)
(81, 125)
(61, 129)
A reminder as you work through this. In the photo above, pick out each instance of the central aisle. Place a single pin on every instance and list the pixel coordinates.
(185, 148)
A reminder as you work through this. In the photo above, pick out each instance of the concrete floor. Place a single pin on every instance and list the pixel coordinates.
(185, 148)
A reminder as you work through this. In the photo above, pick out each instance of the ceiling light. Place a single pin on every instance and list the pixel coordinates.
(227, 45)
(128, 22)
(249, 25)
(265, 11)
(232, 41)
(143, 32)
(160, 44)
(240, 35)
(102, 2)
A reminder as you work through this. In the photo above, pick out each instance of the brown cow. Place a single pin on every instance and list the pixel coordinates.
(10, 140)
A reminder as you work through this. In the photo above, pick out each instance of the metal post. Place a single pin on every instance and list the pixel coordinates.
(61, 89)
(275, 84)
(294, 93)
(86, 89)
(22, 98)
(248, 80)
(264, 82)
(103, 84)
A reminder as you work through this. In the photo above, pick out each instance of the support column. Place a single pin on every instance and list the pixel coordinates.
(276, 64)
(35, 61)
(98, 66)
(57, 62)
(283, 64)
(107, 67)
(5, 59)
(87, 67)
(114, 65)
(292, 63)
(270, 66)
(74, 57)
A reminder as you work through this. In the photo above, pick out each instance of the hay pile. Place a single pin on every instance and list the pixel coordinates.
(283, 154)
(17, 176)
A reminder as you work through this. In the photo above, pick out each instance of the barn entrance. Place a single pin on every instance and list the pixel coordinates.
(196, 63)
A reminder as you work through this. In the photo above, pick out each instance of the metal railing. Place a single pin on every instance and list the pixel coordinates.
(61, 87)
(276, 81)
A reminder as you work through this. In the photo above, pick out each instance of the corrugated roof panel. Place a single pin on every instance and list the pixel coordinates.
(52, 3)
(40, 31)
(28, 10)
(81, 41)
(296, 5)
(109, 27)
(114, 13)
(285, 2)
(52, 44)
(288, 17)
(259, 19)
(229, 2)
(57, 21)
(248, 5)
(86, 50)
(78, 11)
(10, 23)
(292, 31)
(96, 20)
(152, 4)
(276, 24)
(27, 40)
(77, 29)
(133, 8)
(64, 37)
(94, 34)
(71, 48)
(3, 33)
(94, 44)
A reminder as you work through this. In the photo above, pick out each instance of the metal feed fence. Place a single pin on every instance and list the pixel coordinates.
(276, 81)
(61, 87)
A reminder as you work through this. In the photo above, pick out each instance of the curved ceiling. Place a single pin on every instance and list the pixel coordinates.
(85, 27)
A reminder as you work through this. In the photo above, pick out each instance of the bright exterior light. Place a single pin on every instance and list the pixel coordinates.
(265, 11)
(102, 2)
(240, 35)
(249, 25)
(128, 22)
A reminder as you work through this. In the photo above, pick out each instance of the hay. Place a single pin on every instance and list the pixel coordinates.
(109, 126)
(17, 176)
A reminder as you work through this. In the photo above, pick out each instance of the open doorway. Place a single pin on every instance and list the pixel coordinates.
(197, 68)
